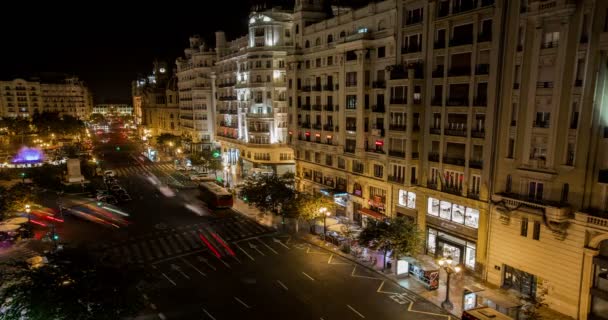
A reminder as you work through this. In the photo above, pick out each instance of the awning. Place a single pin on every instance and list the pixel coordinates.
(372, 213)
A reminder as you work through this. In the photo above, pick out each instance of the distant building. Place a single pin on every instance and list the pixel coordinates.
(22, 98)
(155, 101)
(195, 78)
(113, 108)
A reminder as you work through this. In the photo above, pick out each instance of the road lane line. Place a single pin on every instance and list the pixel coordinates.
(208, 314)
(355, 311)
(245, 252)
(254, 247)
(162, 316)
(205, 261)
(267, 246)
(193, 267)
(282, 285)
(152, 306)
(279, 242)
(309, 277)
(243, 303)
(164, 275)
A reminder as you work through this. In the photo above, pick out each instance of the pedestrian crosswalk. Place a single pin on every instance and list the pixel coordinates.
(175, 242)
(129, 171)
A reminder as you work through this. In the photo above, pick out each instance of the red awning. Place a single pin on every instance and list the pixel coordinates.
(372, 213)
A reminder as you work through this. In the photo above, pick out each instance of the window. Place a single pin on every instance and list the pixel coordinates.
(328, 160)
(378, 171)
(453, 212)
(536, 231)
(511, 148)
(381, 52)
(341, 163)
(407, 199)
(351, 102)
(551, 39)
(330, 60)
(351, 79)
(535, 190)
(524, 227)
(330, 38)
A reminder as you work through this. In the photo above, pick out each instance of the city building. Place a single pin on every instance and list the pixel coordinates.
(155, 102)
(251, 116)
(549, 222)
(65, 95)
(388, 108)
(113, 109)
(195, 82)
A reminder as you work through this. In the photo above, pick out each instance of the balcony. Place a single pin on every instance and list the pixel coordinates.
(457, 102)
(413, 20)
(433, 156)
(482, 68)
(328, 127)
(317, 126)
(375, 150)
(226, 98)
(541, 124)
(457, 161)
(602, 176)
(437, 101)
(224, 85)
(477, 164)
(453, 189)
(305, 125)
(455, 132)
(260, 115)
(379, 84)
(396, 127)
(316, 107)
(258, 129)
(435, 130)
(544, 84)
(396, 153)
(396, 179)
(438, 73)
(480, 101)
(227, 111)
(306, 107)
(349, 150)
(554, 211)
(228, 125)
(550, 44)
(378, 108)
(578, 83)
(328, 87)
(328, 107)
(484, 37)
(411, 48)
(439, 44)
(473, 194)
(478, 134)
(463, 6)
(431, 184)
(461, 41)
(459, 71)
(316, 87)
(398, 100)
(351, 128)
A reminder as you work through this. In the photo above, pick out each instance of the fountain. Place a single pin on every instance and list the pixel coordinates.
(28, 156)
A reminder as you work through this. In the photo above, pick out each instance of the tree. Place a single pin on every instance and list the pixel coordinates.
(73, 285)
(15, 198)
(398, 234)
(274, 194)
(309, 207)
(207, 160)
(97, 117)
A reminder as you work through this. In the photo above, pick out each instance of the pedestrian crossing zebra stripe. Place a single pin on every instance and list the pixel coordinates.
(157, 251)
(173, 244)
(179, 238)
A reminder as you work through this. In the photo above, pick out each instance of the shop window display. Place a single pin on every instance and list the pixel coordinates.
(407, 199)
(453, 212)
(433, 207)
(472, 218)
(446, 210)
(458, 213)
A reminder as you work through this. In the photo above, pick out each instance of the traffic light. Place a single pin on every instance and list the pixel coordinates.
(117, 148)
(216, 153)
(99, 203)
(55, 237)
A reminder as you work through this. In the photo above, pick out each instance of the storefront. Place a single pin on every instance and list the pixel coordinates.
(442, 244)
(340, 198)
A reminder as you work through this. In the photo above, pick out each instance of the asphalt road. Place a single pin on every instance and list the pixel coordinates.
(221, 265)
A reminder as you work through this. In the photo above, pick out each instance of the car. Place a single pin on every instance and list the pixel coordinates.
(109, 199)
(109, 173)
(115, 187)
(125, 197)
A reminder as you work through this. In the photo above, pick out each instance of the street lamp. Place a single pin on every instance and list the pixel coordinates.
(446, 264)
(27, 210)
(323, 211)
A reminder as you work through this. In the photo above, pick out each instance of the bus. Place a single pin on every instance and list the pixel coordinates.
(215, 196)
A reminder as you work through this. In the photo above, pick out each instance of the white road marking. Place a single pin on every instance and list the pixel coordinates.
(178, 269)
(279, 242)
(267, 246)
(153, 306)
(162, 316)
(226, 264)
(309, 277)
(164, 275)
(208, 314)
(193, 267)
(245, 252)
(355, 311)
(282, 285)
(243, 303)
(203, 260)
(254, 247)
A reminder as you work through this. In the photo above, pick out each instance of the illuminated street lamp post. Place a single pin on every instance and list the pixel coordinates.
(446, 264)
(323, 211)
(27, 210)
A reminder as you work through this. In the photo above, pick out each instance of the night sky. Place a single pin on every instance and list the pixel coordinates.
(108, 44)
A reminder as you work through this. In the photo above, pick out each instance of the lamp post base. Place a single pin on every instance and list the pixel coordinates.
(447, 305)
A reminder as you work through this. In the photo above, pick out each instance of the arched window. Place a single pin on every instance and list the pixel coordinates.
(357, 190)
(318, 42)
(307, 44)
(342, 34)
(330, 38)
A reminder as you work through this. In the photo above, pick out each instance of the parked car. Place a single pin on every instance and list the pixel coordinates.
(109, 173)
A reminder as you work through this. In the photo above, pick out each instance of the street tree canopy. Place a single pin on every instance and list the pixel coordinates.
(310, 206)
(73, 285)
(274, 194)
(14, 199)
